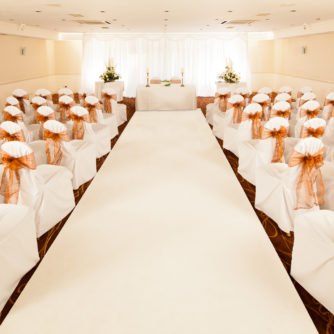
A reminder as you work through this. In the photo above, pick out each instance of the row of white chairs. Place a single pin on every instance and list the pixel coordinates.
(293, 176)
(47, 151)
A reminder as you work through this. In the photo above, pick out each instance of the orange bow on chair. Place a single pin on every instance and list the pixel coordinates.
(256, 123)
(310, 187)
(92, 111)
(65, 111)
(279, 135)
(21, 102)
(222, 103)
(10, 181)
(78, 131)
(107, 102)
(9, 117)
(311, 132)
(237, 112)
(309, 113)
(54, 140)
(264, 104)
(280, 113)
(17, 136)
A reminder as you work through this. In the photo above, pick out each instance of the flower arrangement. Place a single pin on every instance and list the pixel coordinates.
(110, 74)
(229, 75)
(166, 83)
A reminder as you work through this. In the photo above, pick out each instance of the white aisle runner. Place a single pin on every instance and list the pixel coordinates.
(164, 241)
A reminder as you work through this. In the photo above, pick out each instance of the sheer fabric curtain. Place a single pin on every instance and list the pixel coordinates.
(203, 58)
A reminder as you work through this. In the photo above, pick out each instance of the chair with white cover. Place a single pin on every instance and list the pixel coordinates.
(22, 96)
(219, 105)
(309, 96)
(65, 103)
(268, 91)
(43, 114)
(283, 97)
(36, 102)
(13, 114)
(281, 109)
(96, 116)
(83, 93)
(110, 105)
(328, 110)
(18, 247)
(308, 110)
(47, 95)
(47, 189)
(265, 101)
(270, 149)
(284, 191)
(312, 263)
(245, 93)
(65, 91)
(301, 92)
(285, 89)
(249, 128)
(76, 155)
(13, 101)
(82, 129)
(10, 131)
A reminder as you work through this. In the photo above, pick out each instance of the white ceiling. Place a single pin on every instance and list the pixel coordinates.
(150, 16)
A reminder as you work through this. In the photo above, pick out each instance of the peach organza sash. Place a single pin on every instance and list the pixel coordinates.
(256, 123)
(17, 136)
(222, 103)
(280, 113)
(237, 112)
(41, 119)
(21, 101)
(92, 109)
(65, 111)
(310, 187)
(53, 146)
(279, 135)
(9, 117)
(311, 132)
(107, 102)
(264, 105)
(36, 106)
(309, 113)
(10, 181)
(78, 131)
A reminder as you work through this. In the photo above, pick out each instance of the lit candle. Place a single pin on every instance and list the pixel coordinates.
(182, 70)
(147, 70)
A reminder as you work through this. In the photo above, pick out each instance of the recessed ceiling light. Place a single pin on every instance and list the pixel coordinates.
(287, 4)
(230, 11)
(166, 11)
(38, 11)
(293, 11)
(102, 11)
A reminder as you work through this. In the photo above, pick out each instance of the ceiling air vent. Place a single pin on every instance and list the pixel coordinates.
(92, 22)
(242, 21)
(107, 22)
(223, 22)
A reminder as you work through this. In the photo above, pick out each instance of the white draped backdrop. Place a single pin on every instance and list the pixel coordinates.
(202, 56)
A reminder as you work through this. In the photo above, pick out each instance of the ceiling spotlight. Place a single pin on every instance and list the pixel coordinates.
(230, 11)
(166, 11)
(38, 11)
(293, 11)
(102, 11)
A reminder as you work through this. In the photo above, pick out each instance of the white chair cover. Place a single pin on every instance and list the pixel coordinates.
(255, 153)
(276, 187)
(312, 263)
(285, 89)
(282, 97)
(118, 109)
(261, 98)
(18, 247)
(48, 189)
(309, 105)
(28, 114)
(65, 91)
(98, 134)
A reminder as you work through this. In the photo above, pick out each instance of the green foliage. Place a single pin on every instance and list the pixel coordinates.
(110, 74)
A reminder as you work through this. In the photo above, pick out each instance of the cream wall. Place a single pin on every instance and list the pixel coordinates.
(281, 62)
(47, 64)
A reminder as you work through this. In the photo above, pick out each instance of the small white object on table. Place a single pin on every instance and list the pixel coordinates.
(159, 97)
(118, 86)
(231, 86)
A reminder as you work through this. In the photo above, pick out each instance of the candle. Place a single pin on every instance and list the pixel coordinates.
(147, 70)
(182, 70)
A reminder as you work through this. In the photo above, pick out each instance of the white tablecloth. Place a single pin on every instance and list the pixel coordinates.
(222, 84)
(118, 86)
(18, 247)
(159, 97)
